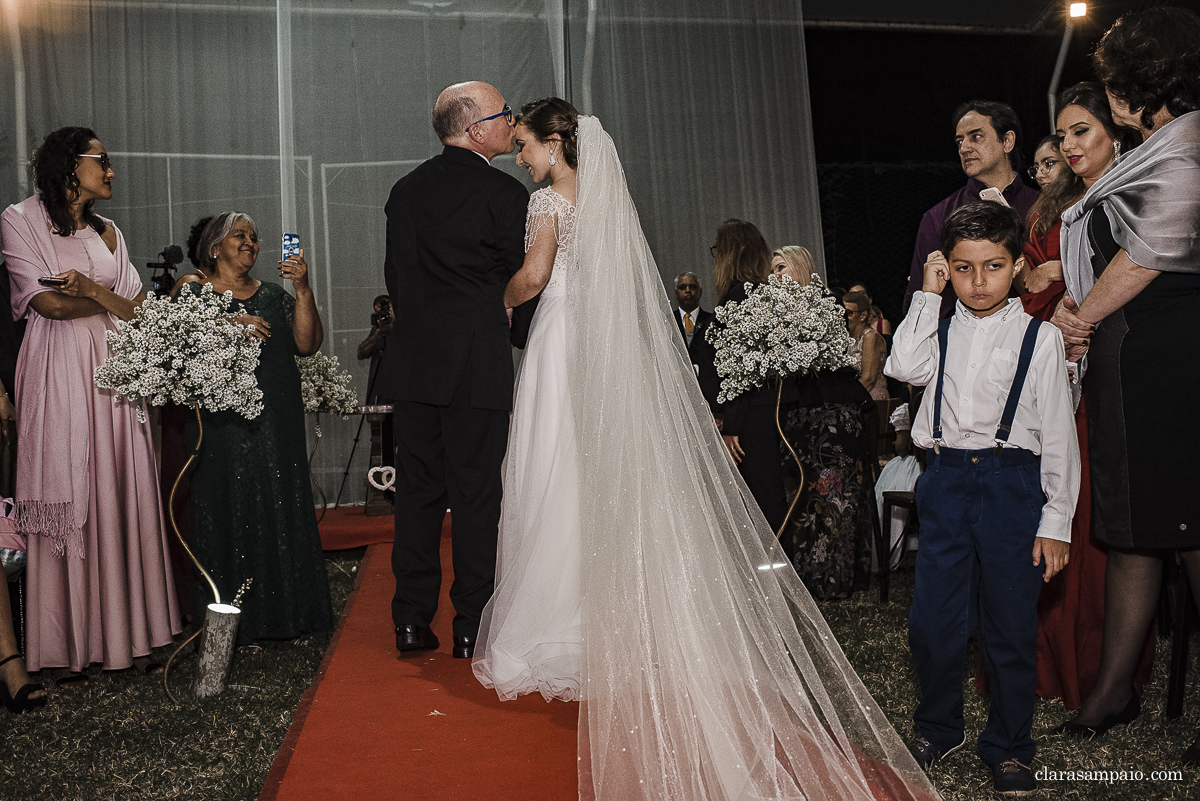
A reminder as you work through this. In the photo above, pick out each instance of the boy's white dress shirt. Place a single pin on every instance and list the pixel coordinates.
(981, 361)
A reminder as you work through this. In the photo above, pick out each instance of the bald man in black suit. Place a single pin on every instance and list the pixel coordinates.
(455, 235)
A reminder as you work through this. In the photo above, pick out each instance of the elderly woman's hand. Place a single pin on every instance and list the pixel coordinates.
(262, 329)
(1076, 331)
(295, 269)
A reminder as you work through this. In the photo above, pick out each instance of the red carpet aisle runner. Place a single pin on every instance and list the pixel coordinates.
(419, 728)
(348, 527)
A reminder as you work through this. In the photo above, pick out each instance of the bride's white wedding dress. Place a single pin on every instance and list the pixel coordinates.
(703, 671)
(529, 633)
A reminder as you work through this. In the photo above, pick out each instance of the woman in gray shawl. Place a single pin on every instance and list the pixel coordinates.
(1131, 258)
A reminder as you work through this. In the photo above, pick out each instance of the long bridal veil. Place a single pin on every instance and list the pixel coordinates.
(708, 673)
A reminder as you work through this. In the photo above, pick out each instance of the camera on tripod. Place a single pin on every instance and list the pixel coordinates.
(162, 274)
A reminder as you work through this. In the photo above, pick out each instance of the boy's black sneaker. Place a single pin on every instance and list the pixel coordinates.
(926, 753)
(1010, 777)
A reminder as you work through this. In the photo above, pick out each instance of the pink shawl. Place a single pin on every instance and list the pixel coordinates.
(52, 410)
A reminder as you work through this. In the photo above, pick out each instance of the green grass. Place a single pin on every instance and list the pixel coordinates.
(121, 738)
(875, 639)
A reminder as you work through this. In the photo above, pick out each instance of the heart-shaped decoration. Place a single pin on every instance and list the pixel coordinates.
(387, 481)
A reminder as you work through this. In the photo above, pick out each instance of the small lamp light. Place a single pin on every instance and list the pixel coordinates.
(1078, 9)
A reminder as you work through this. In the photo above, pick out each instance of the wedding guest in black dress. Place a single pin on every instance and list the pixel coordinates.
(252, 500)
(1131, 261)
(741, 256)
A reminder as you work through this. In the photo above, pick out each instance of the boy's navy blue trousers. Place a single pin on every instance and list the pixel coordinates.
(979, 516)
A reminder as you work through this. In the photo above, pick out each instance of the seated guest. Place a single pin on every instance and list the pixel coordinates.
(795, 262)
(868, 349)
(693, 323)
(97, 571)
(251, 497)
(875, 319)
(1048, 162)
(17, 693)
(988, 137)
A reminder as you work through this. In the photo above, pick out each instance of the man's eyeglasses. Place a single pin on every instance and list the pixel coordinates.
(105, 163)
(1045, 165)
(505, 112)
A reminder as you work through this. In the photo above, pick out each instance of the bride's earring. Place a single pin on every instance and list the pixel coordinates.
(1116, 148)
(552, 161)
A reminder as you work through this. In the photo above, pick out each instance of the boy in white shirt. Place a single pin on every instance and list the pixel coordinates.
(999, 489)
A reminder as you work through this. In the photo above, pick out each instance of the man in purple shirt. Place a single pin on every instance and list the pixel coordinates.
(988, 135)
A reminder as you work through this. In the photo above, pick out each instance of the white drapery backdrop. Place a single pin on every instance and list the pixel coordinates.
(303, 113)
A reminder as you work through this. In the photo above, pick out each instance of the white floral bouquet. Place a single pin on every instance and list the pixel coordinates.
(188, 351)
(325, 386)
(780, 329)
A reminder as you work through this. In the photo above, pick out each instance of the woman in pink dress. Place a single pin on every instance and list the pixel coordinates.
(99, 573)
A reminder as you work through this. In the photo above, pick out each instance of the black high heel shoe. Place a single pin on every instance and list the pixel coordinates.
(1126, 715)
(21, 702)
(1192, 755)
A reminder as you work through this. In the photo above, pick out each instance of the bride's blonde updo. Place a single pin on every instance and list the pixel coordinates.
(553, 115)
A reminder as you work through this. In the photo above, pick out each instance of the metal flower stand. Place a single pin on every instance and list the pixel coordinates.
(219, 632)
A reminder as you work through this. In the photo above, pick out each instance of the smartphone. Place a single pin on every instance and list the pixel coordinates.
(993, 194)
(291, 246)
(50, 280)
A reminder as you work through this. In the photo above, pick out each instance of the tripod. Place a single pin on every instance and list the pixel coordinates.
(374, 374)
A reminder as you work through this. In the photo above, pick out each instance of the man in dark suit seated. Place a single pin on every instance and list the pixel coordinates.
(693, 323)
(455, 235)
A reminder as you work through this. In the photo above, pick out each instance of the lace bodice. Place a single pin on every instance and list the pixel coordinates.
(549, 210)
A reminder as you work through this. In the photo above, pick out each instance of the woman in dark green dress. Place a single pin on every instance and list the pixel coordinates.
(252, 502)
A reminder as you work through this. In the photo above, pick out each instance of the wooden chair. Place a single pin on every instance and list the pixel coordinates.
(1176, 613)
(883, 549)
(887, 432)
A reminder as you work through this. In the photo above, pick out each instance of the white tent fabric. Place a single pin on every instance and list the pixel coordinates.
(706, 99)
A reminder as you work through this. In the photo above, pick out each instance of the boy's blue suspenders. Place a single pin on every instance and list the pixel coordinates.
(1014, 392)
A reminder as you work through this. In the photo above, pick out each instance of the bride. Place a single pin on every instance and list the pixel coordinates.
(635, 574)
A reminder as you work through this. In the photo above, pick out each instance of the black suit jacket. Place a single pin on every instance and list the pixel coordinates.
(455, 235)
(703, 356)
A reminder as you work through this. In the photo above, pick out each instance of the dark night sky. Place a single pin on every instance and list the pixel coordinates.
(881, 96)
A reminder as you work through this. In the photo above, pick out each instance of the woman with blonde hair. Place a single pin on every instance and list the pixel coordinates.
(795, 262)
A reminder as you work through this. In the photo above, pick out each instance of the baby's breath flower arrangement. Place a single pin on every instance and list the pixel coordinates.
(325, 386)
(780, 329)
(188, 351)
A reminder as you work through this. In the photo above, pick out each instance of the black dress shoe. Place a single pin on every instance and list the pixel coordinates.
(1126, 715)
(926, 753)
(1015, 778)
(464, 647)
(415, 638)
